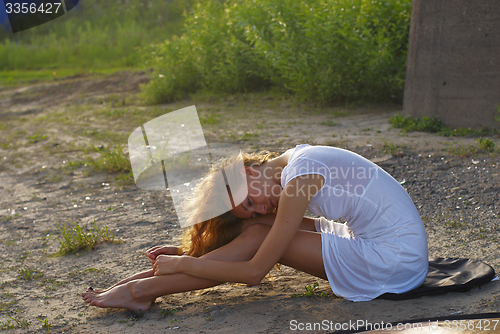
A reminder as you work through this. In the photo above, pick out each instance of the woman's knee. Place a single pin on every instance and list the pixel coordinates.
(254, 234)
(260, 220)
(256, 230)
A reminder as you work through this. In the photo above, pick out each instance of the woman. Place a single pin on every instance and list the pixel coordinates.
(382, 247)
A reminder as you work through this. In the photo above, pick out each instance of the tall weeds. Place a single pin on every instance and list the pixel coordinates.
(324, 51)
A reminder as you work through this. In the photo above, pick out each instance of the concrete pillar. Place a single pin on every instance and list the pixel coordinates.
(453, 70)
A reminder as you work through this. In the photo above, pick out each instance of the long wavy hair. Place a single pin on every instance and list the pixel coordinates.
(204, 237)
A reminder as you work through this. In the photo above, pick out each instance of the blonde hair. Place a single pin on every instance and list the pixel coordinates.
(204, 237)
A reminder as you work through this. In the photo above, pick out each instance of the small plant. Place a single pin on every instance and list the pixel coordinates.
(7, 325)
(248, 136)
(434, 125)
(328, 123)
(75, 239)
(497, 117)
(112, 160)
(212, 119)
(486, 144)
(462, 151)
(74, 164)
(168, 311)
(29, 274)
(389, 147)
(116, 113)
(36, 138)
(20, 323)
(453, 224)
(311, 290)
(407, 124)
(51, 284)
(46, 324)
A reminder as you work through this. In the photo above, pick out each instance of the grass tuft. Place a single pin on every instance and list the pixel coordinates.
(29, 274)
(74, 239)
(112, 160)
(14, 322)
(408, 124)
(311, 290)
(434, 125)
(486, 145)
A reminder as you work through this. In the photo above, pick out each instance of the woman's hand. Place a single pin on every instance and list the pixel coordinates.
(166, 264)
(152, 253)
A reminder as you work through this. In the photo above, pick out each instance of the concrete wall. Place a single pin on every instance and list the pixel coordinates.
(453, 69)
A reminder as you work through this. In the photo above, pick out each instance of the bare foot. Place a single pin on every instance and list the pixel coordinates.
(119, 296)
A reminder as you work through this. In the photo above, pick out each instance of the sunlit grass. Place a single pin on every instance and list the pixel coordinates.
(112, 160)
(13, 78)
(97, 34)
(76, 238)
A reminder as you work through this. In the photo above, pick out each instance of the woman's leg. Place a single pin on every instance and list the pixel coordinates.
(303, 253)
(306, 225)
(142, 274)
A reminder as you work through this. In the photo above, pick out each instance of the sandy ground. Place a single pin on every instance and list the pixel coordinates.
(46, 127)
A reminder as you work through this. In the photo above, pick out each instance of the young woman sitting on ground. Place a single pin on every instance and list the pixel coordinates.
(381, 248)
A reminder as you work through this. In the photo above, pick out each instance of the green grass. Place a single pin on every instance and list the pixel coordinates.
(209, 120)
(168, 311)
(79, 238)
(36, 138)
(390, 147)
(46, 324)
(484, 145)
(407, 124)
(14, 322)
(17, 77)
(434, 125)
(311, 290)
(112, 160)
(29, 274)
(98, 34)
(328, 123)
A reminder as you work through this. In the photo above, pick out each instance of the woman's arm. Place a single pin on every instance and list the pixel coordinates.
(293, 203)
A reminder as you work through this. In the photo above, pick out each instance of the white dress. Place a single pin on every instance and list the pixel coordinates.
(383, 246)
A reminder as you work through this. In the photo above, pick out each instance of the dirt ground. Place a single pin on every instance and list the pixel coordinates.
(48, 129)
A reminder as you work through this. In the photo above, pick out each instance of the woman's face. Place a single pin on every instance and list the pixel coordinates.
(263, 195)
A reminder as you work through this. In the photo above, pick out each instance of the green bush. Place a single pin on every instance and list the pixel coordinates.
(425, 124)
(323, 51)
